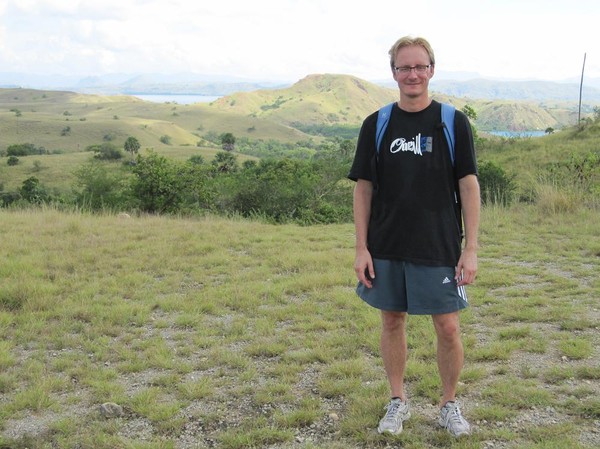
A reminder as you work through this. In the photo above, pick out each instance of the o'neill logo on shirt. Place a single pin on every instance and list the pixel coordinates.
(418, 145)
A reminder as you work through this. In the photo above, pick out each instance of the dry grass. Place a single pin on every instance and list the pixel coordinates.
(237, 334)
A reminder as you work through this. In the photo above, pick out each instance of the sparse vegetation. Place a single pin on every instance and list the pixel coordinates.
(206, 333)
(203, 345)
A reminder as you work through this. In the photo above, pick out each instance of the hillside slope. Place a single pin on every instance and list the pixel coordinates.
(316, 99)
(69, 122)
(345, 100)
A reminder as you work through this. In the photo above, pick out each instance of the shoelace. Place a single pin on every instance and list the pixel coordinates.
(454, 416)
(391, 410)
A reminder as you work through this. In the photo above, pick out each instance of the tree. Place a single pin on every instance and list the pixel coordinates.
(228, 141)
(472, 116)
(132, 145)
(33, 191)
(497, 187)
(100, 186)
(225, 162)
(162, 185)
(156, 185)
(105, 151)
(469, 112)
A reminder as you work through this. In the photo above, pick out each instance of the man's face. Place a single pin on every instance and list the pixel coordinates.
(413, 71)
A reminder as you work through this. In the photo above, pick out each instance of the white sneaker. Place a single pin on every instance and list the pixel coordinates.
(397, 412)
(452, 420)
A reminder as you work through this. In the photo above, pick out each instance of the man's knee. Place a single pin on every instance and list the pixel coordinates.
(393, 321)
(447, 326)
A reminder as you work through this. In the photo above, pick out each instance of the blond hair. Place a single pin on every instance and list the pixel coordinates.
(408, 41)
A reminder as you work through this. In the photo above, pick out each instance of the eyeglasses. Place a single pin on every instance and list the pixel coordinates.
(405, 69)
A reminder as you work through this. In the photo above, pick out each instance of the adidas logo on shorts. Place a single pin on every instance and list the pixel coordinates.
(446, 281)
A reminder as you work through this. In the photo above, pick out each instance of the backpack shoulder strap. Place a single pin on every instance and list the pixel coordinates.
(383, 118)
(448, 123)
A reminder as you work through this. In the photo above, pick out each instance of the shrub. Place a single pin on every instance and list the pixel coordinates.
(496, 186)
(196, 159)
(105, 152)
(12, 160)
(24, 149)
(8, 198)
(162, 185)
(289, 190)
(33, 191)
(100, 188)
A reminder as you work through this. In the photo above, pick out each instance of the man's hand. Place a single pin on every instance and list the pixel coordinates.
(466, 270)
(363, 266)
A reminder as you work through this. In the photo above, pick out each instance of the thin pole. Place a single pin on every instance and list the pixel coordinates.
(580, 90)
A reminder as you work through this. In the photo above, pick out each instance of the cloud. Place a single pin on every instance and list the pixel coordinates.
(288, 39)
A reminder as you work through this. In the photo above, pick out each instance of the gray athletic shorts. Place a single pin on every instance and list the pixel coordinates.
(419, 290)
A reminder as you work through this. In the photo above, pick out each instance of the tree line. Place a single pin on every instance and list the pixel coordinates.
(306, 191)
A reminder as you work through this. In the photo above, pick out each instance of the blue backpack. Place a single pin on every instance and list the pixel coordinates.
(383, 118)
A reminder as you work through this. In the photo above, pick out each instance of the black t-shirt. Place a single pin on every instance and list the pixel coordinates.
(415, 213)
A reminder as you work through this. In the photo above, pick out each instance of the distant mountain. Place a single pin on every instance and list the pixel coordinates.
(333, 100)
(457, 84)
(120, 83)
(460, 85)
(516, 90)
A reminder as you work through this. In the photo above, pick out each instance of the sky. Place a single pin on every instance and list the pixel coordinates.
(285, 40)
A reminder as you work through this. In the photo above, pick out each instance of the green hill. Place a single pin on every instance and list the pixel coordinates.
(316, 99)
(69, 122)
(65, 123)
(345, 100)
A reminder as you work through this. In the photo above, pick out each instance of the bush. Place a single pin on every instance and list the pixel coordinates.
(106, 152)
(12, 160)
(162, 185)
(196, 159)
(496, 186)
(289, 190)
(8, 198)
(33, 191)
(100, 187)
(24, 149)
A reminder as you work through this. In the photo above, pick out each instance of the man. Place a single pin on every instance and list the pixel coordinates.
(408, 202)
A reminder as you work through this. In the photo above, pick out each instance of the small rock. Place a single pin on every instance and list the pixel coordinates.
(111, 410)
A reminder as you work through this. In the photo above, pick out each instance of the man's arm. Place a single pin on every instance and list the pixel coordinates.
(363, 193)
(471, 202)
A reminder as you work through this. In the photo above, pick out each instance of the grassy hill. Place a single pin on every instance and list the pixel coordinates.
(346, 100)
(65, 123)
(316, 99)
(69, 122)
(43, 115)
